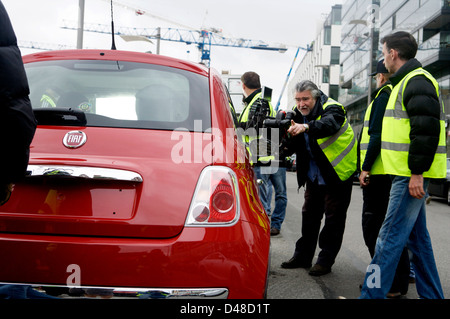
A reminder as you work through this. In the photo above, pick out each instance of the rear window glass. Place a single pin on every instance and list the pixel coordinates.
(119, 94)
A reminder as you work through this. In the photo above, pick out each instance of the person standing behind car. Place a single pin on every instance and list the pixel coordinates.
(264, 170)
(17, 122)
(326, 154)
(277, 180)
(412, 151)
(375, 184)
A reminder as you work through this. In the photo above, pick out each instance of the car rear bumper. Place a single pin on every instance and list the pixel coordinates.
(228, 262)
(34, 291)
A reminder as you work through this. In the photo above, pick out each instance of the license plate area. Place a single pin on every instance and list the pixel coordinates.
(73, 197)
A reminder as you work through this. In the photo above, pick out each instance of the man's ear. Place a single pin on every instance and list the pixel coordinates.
(394, 54)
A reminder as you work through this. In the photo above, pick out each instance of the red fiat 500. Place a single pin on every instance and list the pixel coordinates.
(138, 184)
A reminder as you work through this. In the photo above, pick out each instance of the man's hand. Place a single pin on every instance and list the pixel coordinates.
(364, 178)
(416, 186)
(5, 193)
(296, 128)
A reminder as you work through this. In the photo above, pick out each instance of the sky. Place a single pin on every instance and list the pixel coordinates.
(293, 23)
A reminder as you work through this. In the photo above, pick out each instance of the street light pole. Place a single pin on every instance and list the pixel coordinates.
(80, 24)
(369, 94)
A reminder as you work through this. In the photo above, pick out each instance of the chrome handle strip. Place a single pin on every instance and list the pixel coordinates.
(95, 173)
(92, 292)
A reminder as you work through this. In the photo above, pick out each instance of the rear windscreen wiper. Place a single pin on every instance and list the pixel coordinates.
(60, 116)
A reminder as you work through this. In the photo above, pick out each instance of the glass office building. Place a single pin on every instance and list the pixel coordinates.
(321, 63)
(365, 22)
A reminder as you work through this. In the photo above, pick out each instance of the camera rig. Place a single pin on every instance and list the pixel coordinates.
(271, 132)
(260, 110)
(282, 120)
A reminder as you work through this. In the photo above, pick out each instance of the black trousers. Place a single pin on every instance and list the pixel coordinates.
(332, 202)
(376, 200)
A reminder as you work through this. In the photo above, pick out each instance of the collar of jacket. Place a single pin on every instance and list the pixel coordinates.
(404, 70)
(374, 94)
(249, 98)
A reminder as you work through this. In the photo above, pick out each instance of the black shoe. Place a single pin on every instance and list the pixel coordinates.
(295, 263)
(274, 231)
(394, 295)
(319, 270)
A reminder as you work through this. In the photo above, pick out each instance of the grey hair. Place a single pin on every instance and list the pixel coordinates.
(307, 85)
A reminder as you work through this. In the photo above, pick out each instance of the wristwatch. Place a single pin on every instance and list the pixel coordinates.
(306, 126)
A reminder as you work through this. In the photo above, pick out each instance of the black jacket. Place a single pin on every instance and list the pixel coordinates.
(330, 122)
(375, 125)
(422, 105)
(17, 122)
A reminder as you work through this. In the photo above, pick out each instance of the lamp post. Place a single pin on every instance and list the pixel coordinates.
(370, 39)
(80, 24)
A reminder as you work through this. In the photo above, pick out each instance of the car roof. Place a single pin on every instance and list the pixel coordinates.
(116, 55)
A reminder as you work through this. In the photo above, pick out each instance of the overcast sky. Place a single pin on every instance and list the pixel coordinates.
(289, 22)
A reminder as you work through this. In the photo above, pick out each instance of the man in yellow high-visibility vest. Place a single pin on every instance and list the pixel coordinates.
(326, 151)
(412, 151)
(376, 185)
(267, 168)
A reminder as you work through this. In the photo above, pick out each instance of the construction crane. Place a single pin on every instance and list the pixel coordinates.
(203, 39)
(43, 46)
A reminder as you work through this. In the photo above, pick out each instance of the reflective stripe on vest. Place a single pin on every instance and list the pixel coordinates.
(252, 138)
(340, 148)
(395, 140)
(47, 101)
(377, 166)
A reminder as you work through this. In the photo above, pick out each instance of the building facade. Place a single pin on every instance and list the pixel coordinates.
(347, 49)
(365, 22)
(320, 64)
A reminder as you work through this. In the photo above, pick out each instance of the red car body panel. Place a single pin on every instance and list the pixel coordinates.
(150, 158)
(133, 234)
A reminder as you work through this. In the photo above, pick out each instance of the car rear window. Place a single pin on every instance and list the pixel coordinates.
(118, 94)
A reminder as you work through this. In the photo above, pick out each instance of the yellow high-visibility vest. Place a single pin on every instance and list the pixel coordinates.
(395, 140)
(340, 148)
(377, 167)
(243, 118)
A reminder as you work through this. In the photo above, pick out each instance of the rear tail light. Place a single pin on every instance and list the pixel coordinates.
(215, 201)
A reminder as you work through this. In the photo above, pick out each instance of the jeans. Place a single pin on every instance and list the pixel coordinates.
(277, 176)
(376, 200)
(405, 224)
(21, 292)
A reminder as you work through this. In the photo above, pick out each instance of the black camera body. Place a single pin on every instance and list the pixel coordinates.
(268, 143)
(282, 120)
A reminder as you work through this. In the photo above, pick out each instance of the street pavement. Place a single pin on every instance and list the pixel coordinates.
(349, 269)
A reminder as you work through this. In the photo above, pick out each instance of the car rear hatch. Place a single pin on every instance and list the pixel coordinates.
(111, 164)
(121, 183)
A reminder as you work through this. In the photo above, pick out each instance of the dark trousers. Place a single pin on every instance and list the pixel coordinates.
(376, 200)
(319, 201)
